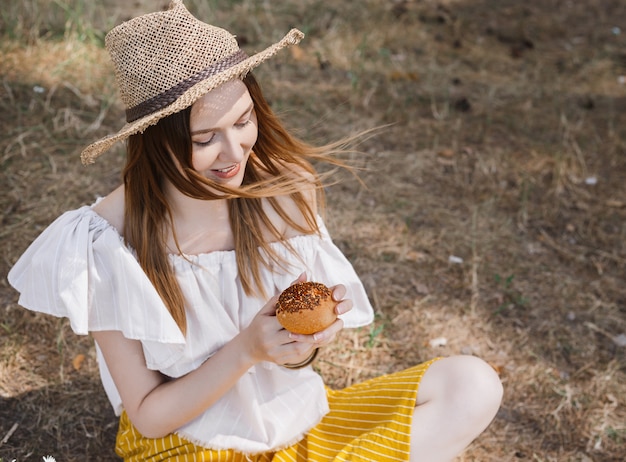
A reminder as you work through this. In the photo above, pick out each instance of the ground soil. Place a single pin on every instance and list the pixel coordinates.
(490, 220)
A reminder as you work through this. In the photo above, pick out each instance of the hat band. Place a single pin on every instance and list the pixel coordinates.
(166, 98)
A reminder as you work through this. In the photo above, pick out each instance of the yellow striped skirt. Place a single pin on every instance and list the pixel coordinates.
(369, 421)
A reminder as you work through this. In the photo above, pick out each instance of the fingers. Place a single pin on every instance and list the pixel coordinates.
(343, 307)
(290, 351)
(270, 307)
(301, 278)
(320, 338)
(328, 335)
(339, 292)
(297, 354)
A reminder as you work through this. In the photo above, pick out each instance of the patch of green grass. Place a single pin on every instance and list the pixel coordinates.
(78, 22)
(616, 434)
(510, 296)
(373, 337)
(32, 20)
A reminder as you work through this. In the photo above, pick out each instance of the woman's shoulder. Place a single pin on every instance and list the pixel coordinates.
(111, 208)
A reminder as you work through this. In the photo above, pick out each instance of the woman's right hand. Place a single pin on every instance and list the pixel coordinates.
(266, 340)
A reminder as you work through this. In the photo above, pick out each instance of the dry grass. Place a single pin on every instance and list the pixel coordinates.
(506, 149)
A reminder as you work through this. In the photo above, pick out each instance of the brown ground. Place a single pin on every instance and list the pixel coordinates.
(506, 148)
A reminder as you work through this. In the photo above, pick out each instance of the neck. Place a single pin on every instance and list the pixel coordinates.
(201, 226)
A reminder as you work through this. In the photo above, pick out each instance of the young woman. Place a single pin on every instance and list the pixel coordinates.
(176, 273)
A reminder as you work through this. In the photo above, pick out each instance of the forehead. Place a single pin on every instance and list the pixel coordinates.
(220, 105)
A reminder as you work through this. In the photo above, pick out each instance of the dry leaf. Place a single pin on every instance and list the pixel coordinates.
(616, 204)
(496, 368)
(414, 255)
(78, 361)
(446, 153)
(297, 53)
(399, 75)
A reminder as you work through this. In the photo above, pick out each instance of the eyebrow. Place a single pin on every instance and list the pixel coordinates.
(208, 130)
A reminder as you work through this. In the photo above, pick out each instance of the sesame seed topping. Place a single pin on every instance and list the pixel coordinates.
(303, 296)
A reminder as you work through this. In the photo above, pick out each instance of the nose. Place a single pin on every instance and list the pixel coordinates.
(231, 148)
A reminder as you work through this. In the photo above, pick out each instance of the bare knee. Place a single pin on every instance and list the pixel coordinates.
(466, 385)
(457, 399)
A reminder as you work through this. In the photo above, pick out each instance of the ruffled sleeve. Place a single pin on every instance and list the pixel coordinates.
(80, 268)
(324, 262)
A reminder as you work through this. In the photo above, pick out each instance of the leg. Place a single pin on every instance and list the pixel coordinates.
(457, 399)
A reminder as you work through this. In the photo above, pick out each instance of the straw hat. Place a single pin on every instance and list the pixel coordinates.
(167, 60)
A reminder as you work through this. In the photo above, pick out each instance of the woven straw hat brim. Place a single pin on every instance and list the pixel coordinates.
(91, 152)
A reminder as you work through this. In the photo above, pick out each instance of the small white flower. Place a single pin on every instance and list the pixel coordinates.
(438, 342)
(620, 340)
(49, 459)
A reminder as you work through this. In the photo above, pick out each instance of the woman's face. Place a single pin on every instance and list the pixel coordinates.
(223, 128)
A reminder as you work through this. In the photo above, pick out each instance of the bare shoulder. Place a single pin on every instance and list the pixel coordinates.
(111, 208)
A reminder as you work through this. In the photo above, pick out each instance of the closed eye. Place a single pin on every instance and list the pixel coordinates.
(242, 124)
(204, 143)
(244, 121)
(246, 118)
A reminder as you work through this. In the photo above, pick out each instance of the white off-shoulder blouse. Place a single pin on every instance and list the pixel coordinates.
(80, 268)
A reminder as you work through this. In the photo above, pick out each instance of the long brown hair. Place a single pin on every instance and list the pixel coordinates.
(279, 165)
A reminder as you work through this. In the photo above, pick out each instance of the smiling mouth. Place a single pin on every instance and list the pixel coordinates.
(227, 172)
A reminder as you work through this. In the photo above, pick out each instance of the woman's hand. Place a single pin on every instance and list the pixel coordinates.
(267, 340)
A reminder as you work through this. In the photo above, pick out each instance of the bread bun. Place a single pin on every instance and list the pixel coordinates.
(306, 308)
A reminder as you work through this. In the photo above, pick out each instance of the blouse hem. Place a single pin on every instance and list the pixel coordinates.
(213, 447)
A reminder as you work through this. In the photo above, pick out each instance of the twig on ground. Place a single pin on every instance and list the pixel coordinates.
(9, 433)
